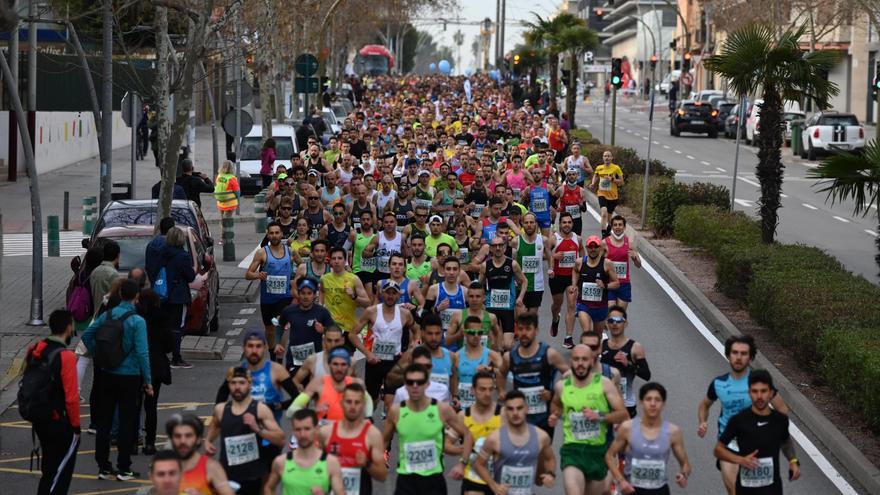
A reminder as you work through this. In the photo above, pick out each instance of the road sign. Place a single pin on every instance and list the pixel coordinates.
(126, 108)
(306, 85)
(247, 122)
(592, 68)
(247, 93)
(588, 57)
(306, 65)
(687, 79)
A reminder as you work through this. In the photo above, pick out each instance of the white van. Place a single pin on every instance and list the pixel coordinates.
(251, 146)
(753, 124)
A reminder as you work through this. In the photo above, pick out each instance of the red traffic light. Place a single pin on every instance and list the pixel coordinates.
(600, 13)
(687, 56)
(653, 58)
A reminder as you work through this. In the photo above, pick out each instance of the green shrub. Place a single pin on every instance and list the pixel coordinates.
(631, 191)
(737, 262)
(851, 365)
(628, 160)
(709, 228)
(667, 198)
(582, 135)
(796, 303)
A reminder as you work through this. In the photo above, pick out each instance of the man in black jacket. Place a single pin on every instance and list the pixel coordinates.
(194, 185)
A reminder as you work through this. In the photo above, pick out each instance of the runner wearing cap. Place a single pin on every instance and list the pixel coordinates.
(242, 424)
(591, 278)
(306, 322)
(327, 392)
(341, 291)
(438, 236)
(390, 333)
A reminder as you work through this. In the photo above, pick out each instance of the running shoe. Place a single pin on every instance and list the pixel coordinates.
(568, 343)
(181, 365)
(554, 327)
(127, 475)
(106, 474)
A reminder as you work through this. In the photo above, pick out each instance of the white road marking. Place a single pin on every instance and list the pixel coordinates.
(246, 262)
(784, 195)
(807, 205)
(636, 134)
(840, 219)
(234, 332)
(247, 311)
(703, 162)
(720, 169)
(689, 157)
(656, 142)
(677, 152)
(645, 138)
(809, 448)
(743, 202)
(749, 181)
(69, 244)
(871, 232)
(809, 165)
(239, 322)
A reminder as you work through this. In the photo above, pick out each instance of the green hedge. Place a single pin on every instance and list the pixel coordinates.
(628, 160)
(851, 365)
(631, 192)
(710, 228)
(668, 197)
(582, 135)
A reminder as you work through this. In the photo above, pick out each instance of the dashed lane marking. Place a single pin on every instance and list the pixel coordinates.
(720, 169)
(239, 322)
(870, 232)
(665, 146)
(656, 142)
(247, 311)
(807, 205)
(840, 219)
(749, 181)
(678, 152)
(704, 162)
(743, 202)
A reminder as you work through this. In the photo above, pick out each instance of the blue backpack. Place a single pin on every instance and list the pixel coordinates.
(160, 285)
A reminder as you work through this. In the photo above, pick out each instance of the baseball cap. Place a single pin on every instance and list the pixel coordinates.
(435, 218)
(307, 283)
(254, 334)
(390, 284)
(594, 239)
(424, 172)
(313, 172)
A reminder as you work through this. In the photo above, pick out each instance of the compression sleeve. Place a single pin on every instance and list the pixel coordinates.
(368, 408)
(290, 387)
(301, 401)
(642, 370)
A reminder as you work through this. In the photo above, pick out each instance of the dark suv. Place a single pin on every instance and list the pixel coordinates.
(694, 116)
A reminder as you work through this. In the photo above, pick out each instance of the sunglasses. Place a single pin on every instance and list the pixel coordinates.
(314, 197)
(474, 332)
(415, 383)
(286, 208)
(616, 319)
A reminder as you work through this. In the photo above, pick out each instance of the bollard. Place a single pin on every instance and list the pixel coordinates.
(53, 236)
(260, 218)
(65, 214)
(90, 214)
(228, 239)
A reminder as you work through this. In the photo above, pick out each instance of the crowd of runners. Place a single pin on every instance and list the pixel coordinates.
(400, 280)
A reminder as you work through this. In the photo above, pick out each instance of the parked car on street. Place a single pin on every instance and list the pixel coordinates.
(733, 121)
(788, 117)
(707, 94)
(723, 106)
(145, 212)
(753, 121)
(694, 116)
(828, 132)
(251, 146)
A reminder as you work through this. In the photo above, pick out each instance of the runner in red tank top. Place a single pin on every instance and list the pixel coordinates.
(201, 474)
(356, 443)
(620, 251)
(567, 248)
(570, 200)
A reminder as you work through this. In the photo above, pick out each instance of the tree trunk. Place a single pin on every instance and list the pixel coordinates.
(266, 99)
(554, 82)
(107, 107)
(571, 92)
(770, 168)
(161, 92)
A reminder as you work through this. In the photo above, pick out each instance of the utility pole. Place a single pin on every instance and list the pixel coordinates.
(107, 106)
(501, 28)
(36, 309)
(236, 71)
(12, 172)
(498, 22)
(32, 74)
(613, 111)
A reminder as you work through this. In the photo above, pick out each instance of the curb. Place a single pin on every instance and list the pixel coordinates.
(848, 456)
(249, 296)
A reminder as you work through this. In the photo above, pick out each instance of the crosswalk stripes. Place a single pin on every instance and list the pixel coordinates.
(21, 244)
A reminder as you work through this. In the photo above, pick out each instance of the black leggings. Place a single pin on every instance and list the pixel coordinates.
(151, 414)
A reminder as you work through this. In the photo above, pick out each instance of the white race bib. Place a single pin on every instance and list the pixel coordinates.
(301, 352)
(539, 205)
(465, 394)
(581, 427)
(440, 378)
(385, 349)
(531, 264)
(518, 478)
(568, 259)
(574, 211)
(591, 292)
(605, 184)
(478, 210)
(368, 264)
(427, 203)
(351, 480)
(464, 256)
(621, 268)
(241, 449)
(499, 298)
(517, 192)
(446, 317)
(648, 474)
(420, 456)
(535, 403)
(756, 478)
(382, 263)
(276, 284)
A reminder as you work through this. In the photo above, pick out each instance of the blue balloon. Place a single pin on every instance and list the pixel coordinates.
(495, 74)
(432, 67)
(468, 72)
(444, 67)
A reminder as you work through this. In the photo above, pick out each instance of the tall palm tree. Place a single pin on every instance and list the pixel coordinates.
(573, 40)
(856, 177)
(542, 33)
(752, 58)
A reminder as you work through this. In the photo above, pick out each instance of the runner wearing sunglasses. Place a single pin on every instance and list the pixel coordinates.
(625, 354)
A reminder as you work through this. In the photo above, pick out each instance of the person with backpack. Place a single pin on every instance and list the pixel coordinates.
(48, 397)
(79, 293)
(117, 341)
(175, 275)
(153, 252)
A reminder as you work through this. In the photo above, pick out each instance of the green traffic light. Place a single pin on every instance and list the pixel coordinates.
(615, 80)
(877, 84)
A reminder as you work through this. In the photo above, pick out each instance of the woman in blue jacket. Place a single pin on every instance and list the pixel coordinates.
(179, 273)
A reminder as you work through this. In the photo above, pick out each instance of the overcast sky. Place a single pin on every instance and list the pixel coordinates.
(477, 10)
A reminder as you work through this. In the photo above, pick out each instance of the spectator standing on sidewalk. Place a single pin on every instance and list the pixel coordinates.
(160, 341)
(105, 274)
(120, 386)
(82, 279)
(59, 434)
(226, 192)
(178, 274)
(194, 184)
(267, 162)
(153, 251)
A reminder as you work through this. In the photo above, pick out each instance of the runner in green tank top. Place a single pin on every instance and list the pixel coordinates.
(588, 404)
(418, 268)
(476, 306)
(532, 250)
(307, 466)
(419, 423)
(364, 268)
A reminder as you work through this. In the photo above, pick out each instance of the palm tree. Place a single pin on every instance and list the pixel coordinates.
(573, 40)
(857, 177)
(542, 33)
(753, 57)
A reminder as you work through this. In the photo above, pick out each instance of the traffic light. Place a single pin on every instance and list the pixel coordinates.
(653, 62)
(875, 84)
(616, 72)
(687, 62)
(516, 60)
(600, 13)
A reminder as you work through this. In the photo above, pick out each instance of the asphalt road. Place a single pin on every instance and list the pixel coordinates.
(805, 216)
(681, 357)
